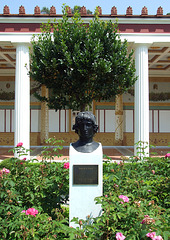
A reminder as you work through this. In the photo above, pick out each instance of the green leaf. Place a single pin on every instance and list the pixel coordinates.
(166, 235)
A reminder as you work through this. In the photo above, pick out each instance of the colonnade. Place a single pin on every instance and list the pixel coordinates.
(22, 99)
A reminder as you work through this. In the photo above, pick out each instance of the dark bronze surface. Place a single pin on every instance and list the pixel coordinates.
(85, 126)
(85, 174)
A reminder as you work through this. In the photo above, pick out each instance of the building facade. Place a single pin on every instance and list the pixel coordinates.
(141, 114)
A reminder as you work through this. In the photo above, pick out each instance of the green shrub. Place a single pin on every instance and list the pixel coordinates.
(41, 226)
(6, 163)
(24, 185)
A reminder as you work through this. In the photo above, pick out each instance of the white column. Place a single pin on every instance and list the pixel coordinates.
(142, 97)
(22, 96)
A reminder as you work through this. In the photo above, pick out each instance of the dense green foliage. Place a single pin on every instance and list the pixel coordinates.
(24, 185)
(81, 62)
(44, 186)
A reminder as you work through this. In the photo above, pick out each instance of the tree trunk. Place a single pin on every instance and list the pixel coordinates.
(82, 107)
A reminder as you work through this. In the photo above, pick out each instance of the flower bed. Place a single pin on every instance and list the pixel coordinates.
(33, 200)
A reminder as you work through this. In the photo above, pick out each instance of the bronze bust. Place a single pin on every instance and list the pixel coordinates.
(85, 126)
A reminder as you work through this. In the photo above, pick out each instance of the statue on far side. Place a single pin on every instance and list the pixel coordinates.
(85, 126)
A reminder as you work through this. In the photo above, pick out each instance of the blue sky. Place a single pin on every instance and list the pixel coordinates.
(106, 5)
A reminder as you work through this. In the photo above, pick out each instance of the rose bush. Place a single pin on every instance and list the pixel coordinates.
(35, 187)
(145, 205)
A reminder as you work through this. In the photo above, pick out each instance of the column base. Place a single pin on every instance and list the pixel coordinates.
(118, 142)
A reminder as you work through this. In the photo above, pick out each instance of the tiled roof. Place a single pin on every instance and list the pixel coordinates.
(83, 12)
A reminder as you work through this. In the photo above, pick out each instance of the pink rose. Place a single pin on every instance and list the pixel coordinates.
(5, 170)
(80, 223)
(167, 155)
(153, 171)
(31, 211)
(125, 198)
(66, 165)
(23, 211)
(19, 144)
(24, 159)
(151, 235)
(147, 220)
(158, 238)
(120, 236)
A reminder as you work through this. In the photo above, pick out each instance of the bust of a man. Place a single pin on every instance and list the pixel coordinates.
(85, 126)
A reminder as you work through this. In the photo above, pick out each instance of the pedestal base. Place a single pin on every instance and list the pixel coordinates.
(85, 184)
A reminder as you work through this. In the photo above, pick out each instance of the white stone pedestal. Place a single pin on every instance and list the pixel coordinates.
(81, 196)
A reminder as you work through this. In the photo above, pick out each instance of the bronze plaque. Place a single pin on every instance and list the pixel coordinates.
(85, 174)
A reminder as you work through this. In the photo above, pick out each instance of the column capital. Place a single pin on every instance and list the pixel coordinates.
(137, 45)
(17, 44)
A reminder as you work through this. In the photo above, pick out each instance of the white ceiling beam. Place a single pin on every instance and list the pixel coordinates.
(7, 59)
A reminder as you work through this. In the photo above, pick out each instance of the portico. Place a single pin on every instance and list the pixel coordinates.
(150, 39)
